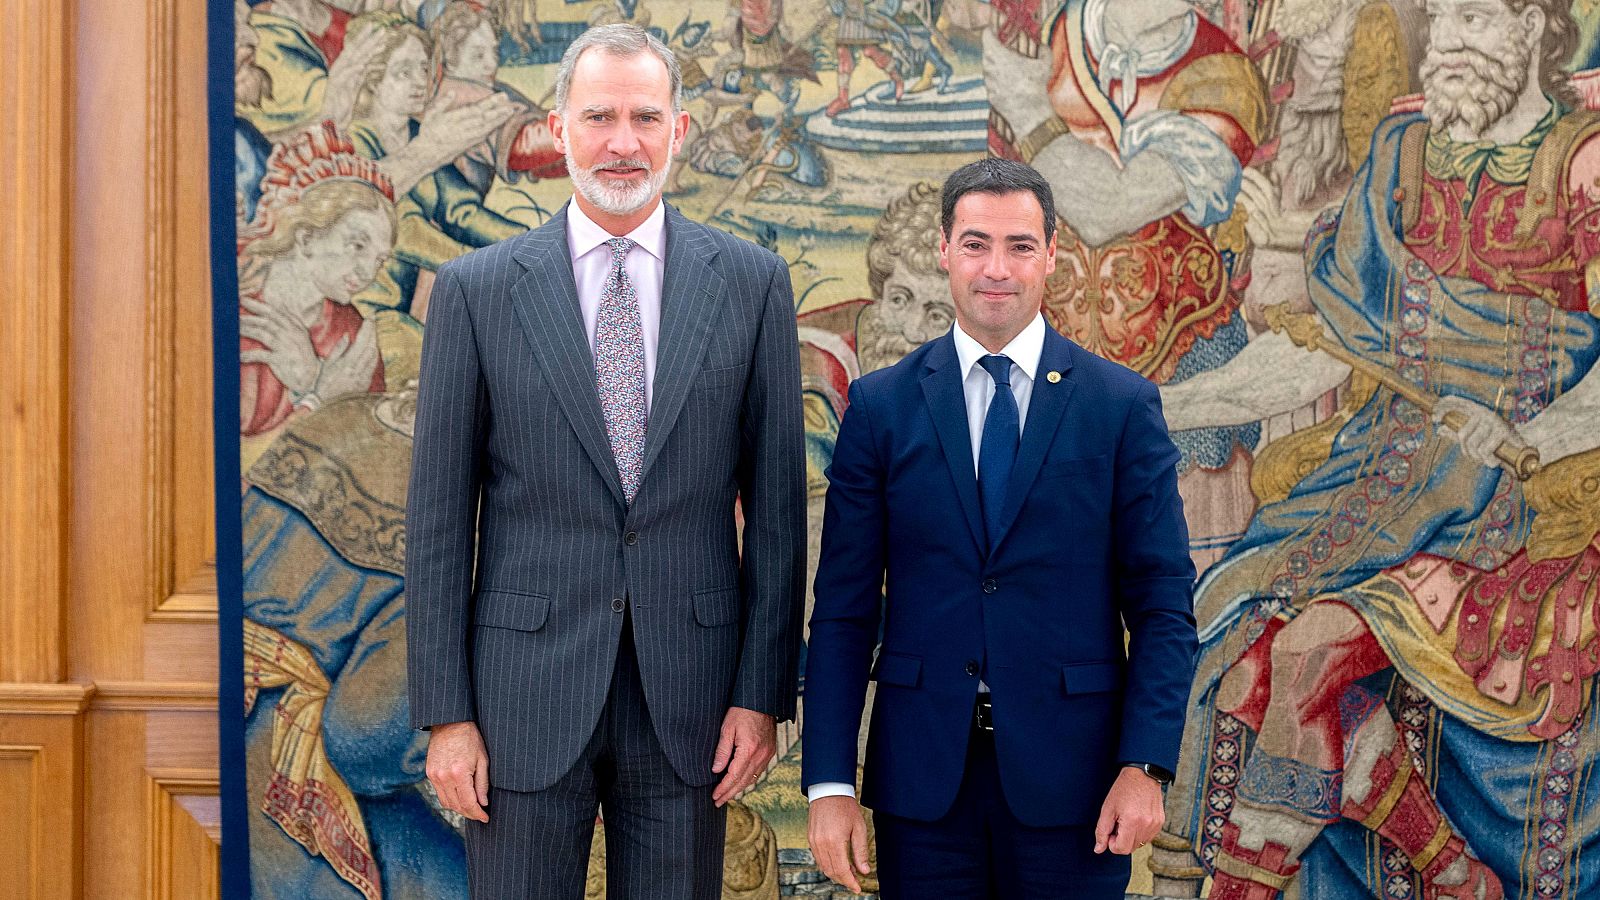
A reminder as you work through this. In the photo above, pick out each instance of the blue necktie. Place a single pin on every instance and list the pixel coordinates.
(997, 451)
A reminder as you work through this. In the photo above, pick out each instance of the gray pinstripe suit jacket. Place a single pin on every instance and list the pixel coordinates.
(519, 544)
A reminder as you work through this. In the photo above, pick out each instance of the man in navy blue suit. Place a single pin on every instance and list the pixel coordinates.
(1017, 497)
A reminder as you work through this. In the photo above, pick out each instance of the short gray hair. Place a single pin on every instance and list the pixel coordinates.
(624, 40)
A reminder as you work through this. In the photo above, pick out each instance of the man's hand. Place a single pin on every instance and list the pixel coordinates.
(748, 741)
(349, 368)
(458, 768)
(288, 351)
(1479, 429)
(346, 74)
(838, 838)
(1131, 815)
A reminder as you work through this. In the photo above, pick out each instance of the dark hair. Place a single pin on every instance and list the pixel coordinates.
(1556, 46)
(993, 175)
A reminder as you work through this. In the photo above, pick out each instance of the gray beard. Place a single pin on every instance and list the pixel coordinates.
(617, 200)
(1297, 19)
(1489, 91)
(1313, 154)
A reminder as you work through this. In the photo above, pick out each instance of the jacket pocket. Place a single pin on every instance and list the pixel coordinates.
(726, 376)
(508, 609)
(1080, 467)
(716, 606)
(1091, 678)
(900, 671)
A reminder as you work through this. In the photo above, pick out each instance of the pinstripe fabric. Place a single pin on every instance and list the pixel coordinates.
(518, 549)
(664, 839)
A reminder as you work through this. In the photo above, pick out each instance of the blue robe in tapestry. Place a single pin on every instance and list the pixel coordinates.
(1391, 488)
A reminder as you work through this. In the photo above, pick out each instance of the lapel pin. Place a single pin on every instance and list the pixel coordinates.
(1053, 377)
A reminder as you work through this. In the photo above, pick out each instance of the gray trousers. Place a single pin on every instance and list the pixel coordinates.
(664, 838)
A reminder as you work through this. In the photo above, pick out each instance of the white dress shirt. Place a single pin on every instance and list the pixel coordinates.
(645, 265)
(978, 388)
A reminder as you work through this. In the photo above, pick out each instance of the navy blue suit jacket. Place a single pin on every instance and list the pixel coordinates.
(1095, 545)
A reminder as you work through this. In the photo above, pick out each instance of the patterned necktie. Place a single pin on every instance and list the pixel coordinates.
(619, 369)
(997, 450)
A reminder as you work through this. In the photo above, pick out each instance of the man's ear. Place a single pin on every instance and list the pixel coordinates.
(944, 252)
(1533, 19)
(680, 130)
(558, 133)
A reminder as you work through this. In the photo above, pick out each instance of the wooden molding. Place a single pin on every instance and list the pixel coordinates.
(41, 800)
(39, 699)
(35, 154)
(183, 834)
(21, 789)
(155, 696)
(180, 548)
(72, 699)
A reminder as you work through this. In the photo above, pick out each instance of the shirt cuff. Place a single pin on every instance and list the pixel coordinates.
(822, 789)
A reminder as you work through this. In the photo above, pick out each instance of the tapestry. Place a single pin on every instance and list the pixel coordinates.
(1356, 243)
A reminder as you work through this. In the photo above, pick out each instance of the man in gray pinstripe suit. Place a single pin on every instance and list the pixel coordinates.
(583, 628)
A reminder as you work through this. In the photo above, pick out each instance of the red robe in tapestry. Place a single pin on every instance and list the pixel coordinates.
(1144, 298)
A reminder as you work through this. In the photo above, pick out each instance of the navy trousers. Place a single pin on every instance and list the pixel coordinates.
(664, 839)
(979, 851)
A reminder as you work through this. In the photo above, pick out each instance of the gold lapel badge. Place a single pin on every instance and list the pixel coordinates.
(1053, 377)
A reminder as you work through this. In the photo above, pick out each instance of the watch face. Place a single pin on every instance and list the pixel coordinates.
(1155, 772)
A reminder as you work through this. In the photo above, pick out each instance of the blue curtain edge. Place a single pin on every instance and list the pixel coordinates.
(235, 853)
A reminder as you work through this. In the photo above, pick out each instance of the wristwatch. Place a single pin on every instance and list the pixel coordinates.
(1159, 775)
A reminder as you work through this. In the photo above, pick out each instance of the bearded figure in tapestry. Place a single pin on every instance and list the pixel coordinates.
(1394, 696)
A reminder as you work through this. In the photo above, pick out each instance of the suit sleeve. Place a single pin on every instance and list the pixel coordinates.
(849, 600)
(1154, 584)
(442, 510)
(771, 479)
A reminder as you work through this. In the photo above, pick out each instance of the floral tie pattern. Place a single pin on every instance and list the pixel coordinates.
(619, 369)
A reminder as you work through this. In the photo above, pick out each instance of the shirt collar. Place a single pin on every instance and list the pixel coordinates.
(1024, 349)
(583, 235)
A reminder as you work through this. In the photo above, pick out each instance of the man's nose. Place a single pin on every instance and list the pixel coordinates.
(623, 141)
(996, 267)
(1443, 36)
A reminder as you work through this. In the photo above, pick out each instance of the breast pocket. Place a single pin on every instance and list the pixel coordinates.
(723, 378)
(1080, 467)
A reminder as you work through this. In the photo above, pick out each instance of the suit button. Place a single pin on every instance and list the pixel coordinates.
(631, 538)
(617, 605)
(972, 667)
(990, 585)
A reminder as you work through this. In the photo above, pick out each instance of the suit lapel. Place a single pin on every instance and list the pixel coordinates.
(546, 301)
(947, 404)
(691, 295)
(1045, 407)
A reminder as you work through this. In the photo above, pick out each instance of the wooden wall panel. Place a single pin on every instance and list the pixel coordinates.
(34, 141)
(108, 658)
(182, 538)
(182, 836)
(41, 790)
(20, 791)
